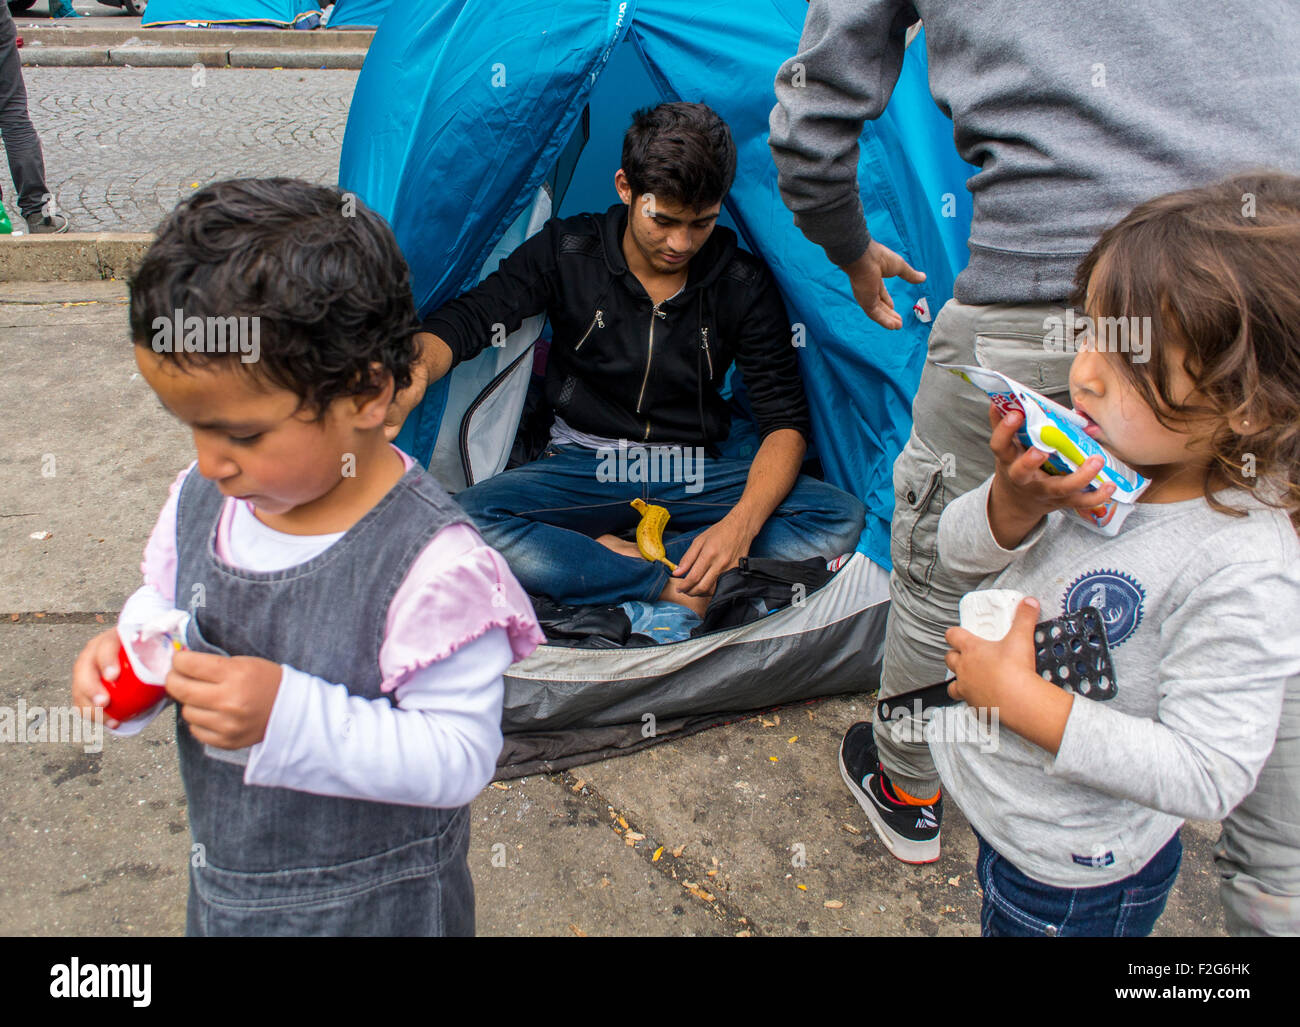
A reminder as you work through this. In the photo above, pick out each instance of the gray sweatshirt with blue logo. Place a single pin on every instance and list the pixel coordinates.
(1072, 112)
(1200, 610)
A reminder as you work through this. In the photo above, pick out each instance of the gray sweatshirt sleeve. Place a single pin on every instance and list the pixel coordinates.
(967, 547)
(1219, 694)
(848, 63)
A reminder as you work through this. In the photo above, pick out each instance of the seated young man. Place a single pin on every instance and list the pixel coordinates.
(649, 303)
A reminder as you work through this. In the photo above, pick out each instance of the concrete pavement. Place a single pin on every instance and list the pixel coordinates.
(753, 830)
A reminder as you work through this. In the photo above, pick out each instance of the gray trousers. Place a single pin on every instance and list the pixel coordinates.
(1258, 856)
(22, 147)
(947, 454)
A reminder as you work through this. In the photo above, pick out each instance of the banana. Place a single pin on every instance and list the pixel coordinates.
(650, 532)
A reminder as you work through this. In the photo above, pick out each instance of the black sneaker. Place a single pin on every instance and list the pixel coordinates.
(911, 833)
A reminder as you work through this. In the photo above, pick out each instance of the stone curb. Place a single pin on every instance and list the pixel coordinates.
(297, 59)
(72, 257)
(42, 34)
(63, 57)
(187, 57)
(167, 56)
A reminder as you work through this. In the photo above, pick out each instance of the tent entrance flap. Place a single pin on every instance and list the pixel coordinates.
(470, 445)
(485, 397)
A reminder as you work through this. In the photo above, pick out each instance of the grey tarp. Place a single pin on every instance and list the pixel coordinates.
(564, 706)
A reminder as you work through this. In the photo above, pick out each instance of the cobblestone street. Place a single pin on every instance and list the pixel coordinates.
(123, 145)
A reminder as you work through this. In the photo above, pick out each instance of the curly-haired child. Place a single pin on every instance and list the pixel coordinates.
(339, 699)
(1078, 810)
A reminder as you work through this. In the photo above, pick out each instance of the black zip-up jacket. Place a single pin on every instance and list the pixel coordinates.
(621, 368)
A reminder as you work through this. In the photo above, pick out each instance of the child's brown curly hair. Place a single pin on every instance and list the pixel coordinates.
(1217, 271)
(324, 276)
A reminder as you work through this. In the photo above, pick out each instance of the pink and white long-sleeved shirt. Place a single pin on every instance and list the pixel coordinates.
(456, 622)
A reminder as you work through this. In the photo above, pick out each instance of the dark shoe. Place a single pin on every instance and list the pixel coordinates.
(47, 224)
(911, 833)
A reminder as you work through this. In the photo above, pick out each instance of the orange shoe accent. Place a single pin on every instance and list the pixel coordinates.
(912, 800)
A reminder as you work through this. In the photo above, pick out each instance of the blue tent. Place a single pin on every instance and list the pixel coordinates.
(348, 13)
(472, 123)
(467, 118)
(276, 13)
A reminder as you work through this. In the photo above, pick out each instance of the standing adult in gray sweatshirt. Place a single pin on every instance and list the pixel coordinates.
(1073, 114)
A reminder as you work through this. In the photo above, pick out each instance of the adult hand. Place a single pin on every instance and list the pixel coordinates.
(226, 700)
(714, 550)
(405, 401)
(867, 276)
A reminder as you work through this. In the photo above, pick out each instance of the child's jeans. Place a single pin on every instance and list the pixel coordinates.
(1020, 907)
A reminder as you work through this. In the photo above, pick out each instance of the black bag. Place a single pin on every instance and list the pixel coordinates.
(775, 584)
(586, 627)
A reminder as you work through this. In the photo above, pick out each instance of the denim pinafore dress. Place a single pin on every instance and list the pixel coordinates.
(276, 861)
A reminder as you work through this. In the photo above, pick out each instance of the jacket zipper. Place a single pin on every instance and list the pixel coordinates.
(599, 319)
(650, 352)
(704, 334)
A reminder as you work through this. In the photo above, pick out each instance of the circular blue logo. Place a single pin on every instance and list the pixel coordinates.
(1117, 596)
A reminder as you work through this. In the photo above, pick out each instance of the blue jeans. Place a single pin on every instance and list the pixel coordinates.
(1016, 906)
(544, 518)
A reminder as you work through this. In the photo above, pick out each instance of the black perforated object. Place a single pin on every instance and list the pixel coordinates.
(1069, 651)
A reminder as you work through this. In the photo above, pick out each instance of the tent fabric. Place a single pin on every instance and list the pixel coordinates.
(464, 106)
(565, 707)
(277, 13)
(350, 13)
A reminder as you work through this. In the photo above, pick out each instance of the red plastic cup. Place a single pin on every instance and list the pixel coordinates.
(128, 696)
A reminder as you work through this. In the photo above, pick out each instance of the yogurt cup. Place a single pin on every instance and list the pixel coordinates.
(144, 657)
(128, 696)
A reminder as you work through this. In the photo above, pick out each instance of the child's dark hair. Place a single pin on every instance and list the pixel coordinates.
(321, 271)
(1217, 271)
(682, 152)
